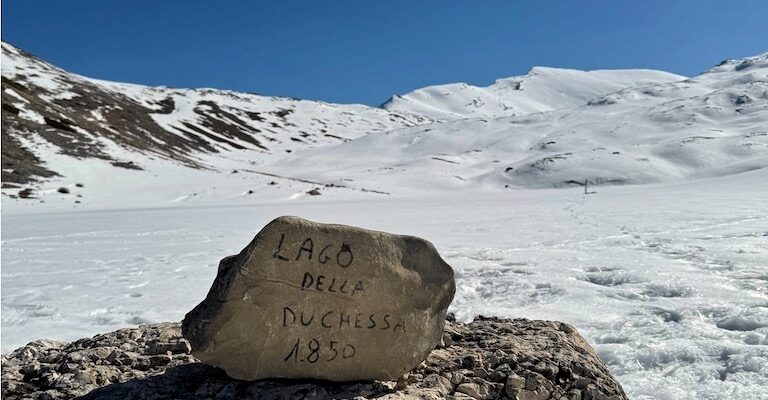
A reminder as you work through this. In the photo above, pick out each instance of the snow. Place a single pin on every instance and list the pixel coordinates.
(667, 281)
(42, 75)
(279, 123)
(336, 121)
(16, 95)
(664, 268)
(542, 89)
(31, 115)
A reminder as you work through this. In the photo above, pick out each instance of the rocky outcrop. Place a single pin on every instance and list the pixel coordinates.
(489, 358)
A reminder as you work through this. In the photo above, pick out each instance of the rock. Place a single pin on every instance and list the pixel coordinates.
(480, 390)
(514, 384)
(414, 378)
(501, 373)
(440, 383)
(47, 369)
(157, 347)
(447, 341)
(310, 300)
(526, 394)
(581, 374)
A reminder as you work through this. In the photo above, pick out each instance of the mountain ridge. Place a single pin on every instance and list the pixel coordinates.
(549, 128)
(541, 89)
(150, 108)
(64, 105)
(710, 125)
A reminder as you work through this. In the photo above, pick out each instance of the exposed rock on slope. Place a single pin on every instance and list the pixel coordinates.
(487, 359)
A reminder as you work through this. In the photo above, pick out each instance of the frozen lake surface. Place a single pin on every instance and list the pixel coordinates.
(668, 282)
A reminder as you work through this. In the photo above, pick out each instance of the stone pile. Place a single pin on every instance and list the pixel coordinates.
(489, 358)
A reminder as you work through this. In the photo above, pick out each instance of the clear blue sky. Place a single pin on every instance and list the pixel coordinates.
(364, 51)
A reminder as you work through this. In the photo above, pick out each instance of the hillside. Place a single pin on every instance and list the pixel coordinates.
(542, 89)
(86, 118)
(712, 125)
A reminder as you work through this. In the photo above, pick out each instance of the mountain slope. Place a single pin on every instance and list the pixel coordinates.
(42, 103)
(542, 89)
(76, 114)
(712, 125)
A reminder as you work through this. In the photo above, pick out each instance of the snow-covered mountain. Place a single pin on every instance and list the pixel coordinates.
(542, 89)
(83, 117)
(66, 135)
(712, 125)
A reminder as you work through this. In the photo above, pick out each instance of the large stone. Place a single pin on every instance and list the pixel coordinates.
(310, 300)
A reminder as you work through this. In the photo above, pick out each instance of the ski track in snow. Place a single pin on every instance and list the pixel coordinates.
(668, 282)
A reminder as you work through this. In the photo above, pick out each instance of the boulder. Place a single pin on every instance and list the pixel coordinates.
(333, 302)
(488, 358)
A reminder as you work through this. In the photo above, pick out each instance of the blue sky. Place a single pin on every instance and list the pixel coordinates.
(364, 51)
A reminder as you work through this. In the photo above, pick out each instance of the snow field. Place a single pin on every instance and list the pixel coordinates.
(668, 282)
